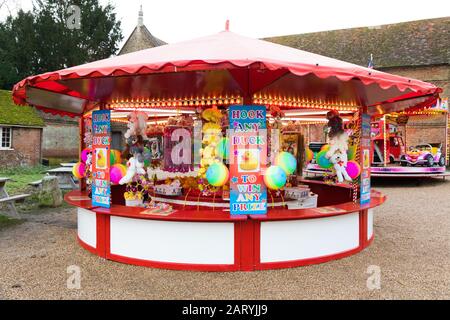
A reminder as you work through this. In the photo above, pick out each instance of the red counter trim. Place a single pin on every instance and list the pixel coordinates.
(209, 215)
(101, 238)
(179, 215)
(247, 239)
(84, 204)
(305, 262)
(86, 246)
(172, 265)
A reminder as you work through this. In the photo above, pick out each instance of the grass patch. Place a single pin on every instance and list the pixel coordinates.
(20, 177)
(56, 162)
(6, 222)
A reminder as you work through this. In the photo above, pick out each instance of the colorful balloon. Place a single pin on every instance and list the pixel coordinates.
(147, 157)
(322, 160)
(84, 154)
(112, 158)
(117, 156)
(309, 155)
(217, 174)
(325, 147)
(275, 177)
(117, 172)
(351, 152)
(79, 170)
(353, 169)
(223, 148)
(287, 162)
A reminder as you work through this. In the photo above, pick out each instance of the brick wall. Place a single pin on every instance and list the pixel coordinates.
(438, 75)
(425, 129)
(26, 145)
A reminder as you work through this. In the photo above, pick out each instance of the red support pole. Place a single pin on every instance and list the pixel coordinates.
(81, 148)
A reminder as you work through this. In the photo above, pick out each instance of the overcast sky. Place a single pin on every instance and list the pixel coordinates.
(176, 20)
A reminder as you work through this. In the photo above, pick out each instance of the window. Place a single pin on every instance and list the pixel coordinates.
(6, 137)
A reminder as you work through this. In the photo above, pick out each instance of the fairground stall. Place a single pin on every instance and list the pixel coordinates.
(408, 144)
(209, 173)
(411, 143)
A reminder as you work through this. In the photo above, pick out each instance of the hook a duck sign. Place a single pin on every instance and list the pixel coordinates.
(101, 145)
(248, 158)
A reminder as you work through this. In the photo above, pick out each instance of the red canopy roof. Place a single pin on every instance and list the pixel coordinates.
(221, 63)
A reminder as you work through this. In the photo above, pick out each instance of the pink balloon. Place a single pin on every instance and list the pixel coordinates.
(84, 154)
(115, 174)
(353, 169)
(79, 170)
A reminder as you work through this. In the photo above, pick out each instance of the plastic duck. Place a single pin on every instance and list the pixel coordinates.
(101, 159)
(249, 161)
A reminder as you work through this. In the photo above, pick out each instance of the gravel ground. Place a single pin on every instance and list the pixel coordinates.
(412, 248)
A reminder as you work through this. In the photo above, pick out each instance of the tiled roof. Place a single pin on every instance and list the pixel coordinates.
(140, 39)
(414, 43)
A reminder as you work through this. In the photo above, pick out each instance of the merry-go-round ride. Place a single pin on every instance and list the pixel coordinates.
(207, 184)
(393, 155)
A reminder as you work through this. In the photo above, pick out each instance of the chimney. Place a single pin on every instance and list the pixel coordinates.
(141, 18)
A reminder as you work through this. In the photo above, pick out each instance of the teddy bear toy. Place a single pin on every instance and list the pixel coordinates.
(134, 167)
(134, 148)
(338, 142)
(137, 125)
(339, 161)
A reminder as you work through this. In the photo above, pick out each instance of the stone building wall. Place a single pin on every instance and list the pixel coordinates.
(26, 148)
(60, 141)
(60, 137)
(436, 74)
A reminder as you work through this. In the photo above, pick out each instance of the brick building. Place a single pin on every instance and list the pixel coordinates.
(20, 132)
(415, 49)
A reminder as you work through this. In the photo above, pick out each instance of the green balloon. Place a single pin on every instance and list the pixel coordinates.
(112, 158)
(223, 149)
(322, 160)
(351, 152)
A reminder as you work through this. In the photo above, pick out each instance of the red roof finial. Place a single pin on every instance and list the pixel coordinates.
(227, 25)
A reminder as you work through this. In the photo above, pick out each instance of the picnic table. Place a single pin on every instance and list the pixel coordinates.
(67, 164)
(65, 177)
(10, 200)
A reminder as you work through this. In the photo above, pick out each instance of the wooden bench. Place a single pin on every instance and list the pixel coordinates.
(10, 200)
(10, 203)
(15, 198)
(65, 177)
(67, 164)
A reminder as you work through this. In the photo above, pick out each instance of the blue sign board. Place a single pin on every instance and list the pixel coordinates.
(248, 158)
(101, 149)
(365, 156)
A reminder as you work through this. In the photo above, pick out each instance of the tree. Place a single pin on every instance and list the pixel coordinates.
(17, 53)
(46, 39)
